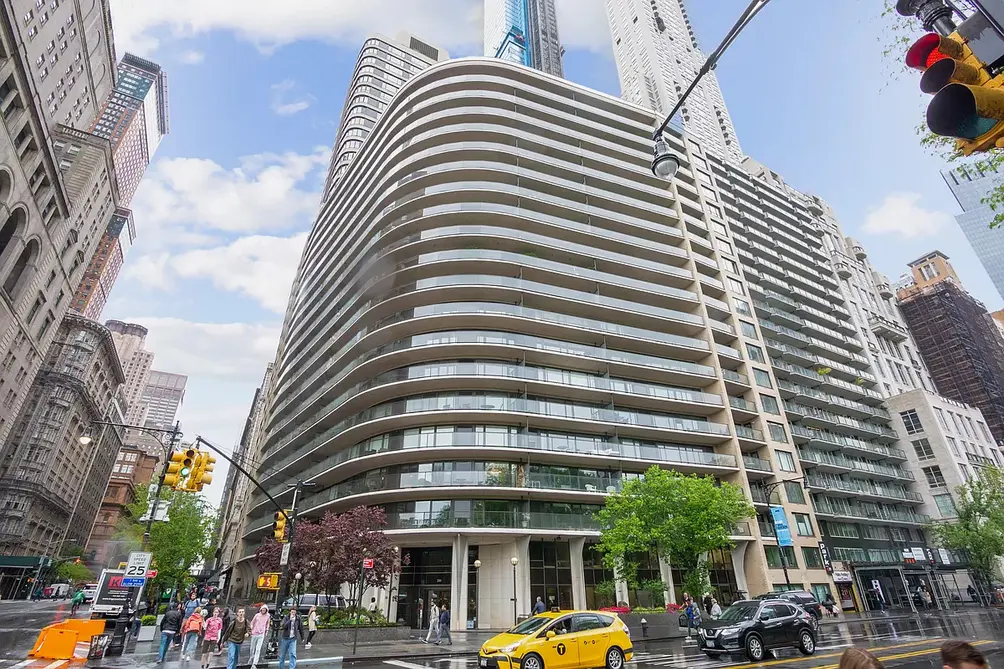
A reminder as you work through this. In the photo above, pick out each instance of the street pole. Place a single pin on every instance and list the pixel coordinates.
(359, 601)
(769, 489)
(515, 561)
(272, 651)
(175, 435)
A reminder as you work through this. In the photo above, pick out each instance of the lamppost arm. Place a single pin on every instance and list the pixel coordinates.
(200, 440)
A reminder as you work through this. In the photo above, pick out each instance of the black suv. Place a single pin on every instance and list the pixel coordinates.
(803, 598)
(753, 627)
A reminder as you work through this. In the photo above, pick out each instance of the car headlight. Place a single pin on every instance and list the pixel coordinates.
(728, 631)
(511, 647)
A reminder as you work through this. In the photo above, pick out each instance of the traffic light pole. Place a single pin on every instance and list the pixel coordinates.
(172, 442)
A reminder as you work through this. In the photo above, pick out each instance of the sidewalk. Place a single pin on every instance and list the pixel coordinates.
(144, 654)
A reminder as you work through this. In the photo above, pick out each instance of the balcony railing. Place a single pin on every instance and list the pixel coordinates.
(758, 464)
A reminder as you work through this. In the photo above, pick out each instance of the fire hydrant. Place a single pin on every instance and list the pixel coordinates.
(644, 628)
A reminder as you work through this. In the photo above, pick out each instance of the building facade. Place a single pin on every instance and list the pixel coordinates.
(970, 184)
(237, 496)
(956, 337)
(133, 468)
(485, 355)
(657, 57)
(162, 397)
(51, 484)
(134, 119)
(383, 66)
(524, 32)
(56, 183)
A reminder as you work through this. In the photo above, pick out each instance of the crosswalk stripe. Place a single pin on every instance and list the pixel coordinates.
(55, 665)
(402, 664)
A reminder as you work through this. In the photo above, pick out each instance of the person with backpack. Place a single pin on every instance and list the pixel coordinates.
(193, 630)
(444, 625)
(237, 631)
(170, 626)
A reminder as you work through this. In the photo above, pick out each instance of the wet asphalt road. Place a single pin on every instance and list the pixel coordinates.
(907, 643)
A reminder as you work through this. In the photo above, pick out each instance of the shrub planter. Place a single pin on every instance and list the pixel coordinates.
(147, 633)
(660, 625)
(366, 634)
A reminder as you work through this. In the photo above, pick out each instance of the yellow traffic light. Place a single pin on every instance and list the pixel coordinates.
(179, 468)
(202, 472)
(279, 526)
(968, 103)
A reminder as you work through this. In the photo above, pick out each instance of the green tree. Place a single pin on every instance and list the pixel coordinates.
(185, 539)
(979, 528)
(682, 517)
(71, 572)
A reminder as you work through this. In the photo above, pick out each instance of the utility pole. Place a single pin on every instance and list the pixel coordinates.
(769, 489)
(272, 650)
(171, 443)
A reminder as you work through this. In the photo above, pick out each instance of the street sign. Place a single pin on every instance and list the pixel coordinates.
(151, 574)
(268, 581)
(131, 582)
(781, 526)
(135, 571)
(367, 563)
(284, 559)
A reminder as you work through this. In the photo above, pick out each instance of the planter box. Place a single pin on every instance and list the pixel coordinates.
(366, 634)
(147, 633)
(660, 625)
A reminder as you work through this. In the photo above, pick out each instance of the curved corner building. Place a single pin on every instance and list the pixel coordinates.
(500, 317)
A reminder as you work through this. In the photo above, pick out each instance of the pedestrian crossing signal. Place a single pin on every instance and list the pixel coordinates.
(268, 581)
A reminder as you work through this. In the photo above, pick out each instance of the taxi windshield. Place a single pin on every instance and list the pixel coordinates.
(738, 612)
(530, 625)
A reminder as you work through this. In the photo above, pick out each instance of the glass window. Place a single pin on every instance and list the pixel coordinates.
(749, 330)
(946, 506)
(844, 530)
(941, 417)
(812, 558)
(983, 430)
(736, 285)
(803, 526)
(785, 461)
(742, 306)
(794, 492)
(777, 432)
(911, 421)
(755, 353)
(762, 378)
(923, 449)
(954, 446)
(935, 478)
(770, 404)
(774, 557)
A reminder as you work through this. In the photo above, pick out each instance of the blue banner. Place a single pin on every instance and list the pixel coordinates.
(781, 526)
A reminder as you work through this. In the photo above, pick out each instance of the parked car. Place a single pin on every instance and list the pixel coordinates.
(566, 639)
(753, 627)
(803, 598)
(90, 591)
(321, 601)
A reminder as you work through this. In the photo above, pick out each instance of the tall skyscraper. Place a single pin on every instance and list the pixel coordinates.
(657, 58)
(383, 67)
(134, 118)
(956, 338)
(162, 397)
(524, 32)
(488, 356)
(130, 342)
(970, 184)
(58, 181)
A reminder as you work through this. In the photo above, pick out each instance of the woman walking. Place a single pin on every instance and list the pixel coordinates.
(237, 631)
(211, 639)
(259, 628)
(193, 629)
(311, 625)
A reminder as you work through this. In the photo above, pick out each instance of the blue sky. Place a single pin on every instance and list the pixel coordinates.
(256, 90)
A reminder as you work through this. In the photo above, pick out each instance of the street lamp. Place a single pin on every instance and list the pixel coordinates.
(664, 163)
(769, 489)
(390, 586)
(85, 439)
(298, 577)
(477, 591)
(514, 561)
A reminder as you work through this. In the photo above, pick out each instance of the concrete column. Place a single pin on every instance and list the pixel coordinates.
(458, 584)
(575, 546)
(667, 577)
(522, 551)
(739, 567)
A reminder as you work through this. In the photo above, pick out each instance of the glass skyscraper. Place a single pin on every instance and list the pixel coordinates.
(523, 32)
(970, 185)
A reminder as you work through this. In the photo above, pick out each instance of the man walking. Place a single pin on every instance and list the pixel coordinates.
(170, 626)
(444, 626)
(433, 620)
(290, 629)
(539, 606)
(237, 631)
(259, 628)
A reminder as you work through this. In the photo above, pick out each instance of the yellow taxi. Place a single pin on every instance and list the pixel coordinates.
(561, 640)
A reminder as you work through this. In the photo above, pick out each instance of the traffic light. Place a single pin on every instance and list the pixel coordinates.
(179, 469)
(279, 526)
(968, 103)
(202, 472)
(76, 561)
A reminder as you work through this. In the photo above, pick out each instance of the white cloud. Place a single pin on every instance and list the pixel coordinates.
(192, 57)
(190, 201)
(583, 24)
(279, 104)
(140, 25)
(900, 214)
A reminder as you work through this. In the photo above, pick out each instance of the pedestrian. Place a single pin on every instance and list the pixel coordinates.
(859, 658)
(290, 629)
(193, 630)
(259, 628)
(191, 605)
(962, 655)
(421, 613)
(211, 607)
(444, 626)
(236, 632)
(433, 620)
(137, 620)
(928, 598)
(211, 638)
(829, 604)
(972, 592)
(539, 606)
(716, 609)
(78, 599)
(311, 625)
(170, 626)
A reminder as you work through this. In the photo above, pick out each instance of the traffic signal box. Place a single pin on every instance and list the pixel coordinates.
(201, 471)
(968, 100)
(279, 526)
(180, 468)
